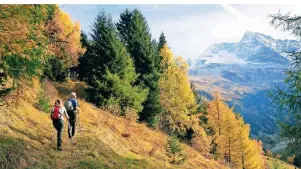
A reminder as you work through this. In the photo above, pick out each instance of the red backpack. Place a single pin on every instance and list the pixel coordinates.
(56, 112)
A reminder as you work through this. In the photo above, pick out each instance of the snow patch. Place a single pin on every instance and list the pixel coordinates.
(222, 57)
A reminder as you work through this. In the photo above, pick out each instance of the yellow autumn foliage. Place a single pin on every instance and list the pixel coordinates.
(231, 136)
(65, 35)
(176, 96)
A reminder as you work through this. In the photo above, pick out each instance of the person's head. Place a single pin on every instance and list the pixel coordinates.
(58, 102)
(73, 95)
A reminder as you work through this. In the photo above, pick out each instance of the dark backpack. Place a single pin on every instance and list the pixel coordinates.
(56, 112)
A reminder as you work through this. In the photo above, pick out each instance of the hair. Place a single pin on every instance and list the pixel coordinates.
(58, 101)
(73, 95)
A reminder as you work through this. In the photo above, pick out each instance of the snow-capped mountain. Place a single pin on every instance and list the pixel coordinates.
(252, 48)
(245, 72)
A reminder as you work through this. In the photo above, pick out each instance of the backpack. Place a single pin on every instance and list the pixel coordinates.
(56, 112)
(68, 105)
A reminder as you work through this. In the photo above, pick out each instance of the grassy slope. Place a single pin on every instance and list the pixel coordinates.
(278, 164)
(27, 140)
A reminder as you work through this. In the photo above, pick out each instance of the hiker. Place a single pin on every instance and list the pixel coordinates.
(72, 109)
(58, 121)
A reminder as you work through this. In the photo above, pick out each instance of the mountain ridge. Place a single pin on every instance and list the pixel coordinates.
(252, 48)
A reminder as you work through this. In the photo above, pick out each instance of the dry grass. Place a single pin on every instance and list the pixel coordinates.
(103, 141)
(278, 164)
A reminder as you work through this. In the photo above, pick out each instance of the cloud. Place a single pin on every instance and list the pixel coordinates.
(189, 35)
(191, 29)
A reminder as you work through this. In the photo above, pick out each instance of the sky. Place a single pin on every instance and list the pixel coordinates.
(191, 29)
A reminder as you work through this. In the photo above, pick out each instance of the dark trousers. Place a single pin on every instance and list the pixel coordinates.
(72, 121)
(59, 126)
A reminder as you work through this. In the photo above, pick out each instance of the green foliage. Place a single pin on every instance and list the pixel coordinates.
(44, 102)
(288, 98)
(83, 63)
(162, 42)
(54, 69)
(24, 51)
(134, 32)
(175, 149)
(112, 76)
(158, 58)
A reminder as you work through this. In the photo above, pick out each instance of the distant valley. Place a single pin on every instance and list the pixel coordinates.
(244, 73)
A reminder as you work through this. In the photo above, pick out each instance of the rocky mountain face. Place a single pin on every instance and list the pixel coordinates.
(245, 72)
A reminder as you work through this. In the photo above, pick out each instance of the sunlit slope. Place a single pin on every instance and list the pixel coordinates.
(28, 140)
(278, 164)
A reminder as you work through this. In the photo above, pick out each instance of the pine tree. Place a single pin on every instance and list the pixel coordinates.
(162, 41)
(158, 58)
(134, 32)
(174, 147)
(288, 97)
(112, 74)
(83, 66)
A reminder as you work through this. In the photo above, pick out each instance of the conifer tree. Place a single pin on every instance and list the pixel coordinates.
(215, 110)
(112, 74)
(83, 69)
(23, 44)
(244, 146)
(174, 147)
(228, 140)
(65, 45)
(134, 32)
(162, 41)
(176, 96)
(288, 97)
(231, 137)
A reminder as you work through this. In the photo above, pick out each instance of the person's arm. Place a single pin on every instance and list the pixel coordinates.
(77, 105)
(65, 112)
(52, 110)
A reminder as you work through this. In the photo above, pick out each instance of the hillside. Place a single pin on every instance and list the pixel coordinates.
(103, 140)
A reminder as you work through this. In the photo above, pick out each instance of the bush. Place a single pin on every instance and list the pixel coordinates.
(44, 103)
(175, 149)
(44, 97)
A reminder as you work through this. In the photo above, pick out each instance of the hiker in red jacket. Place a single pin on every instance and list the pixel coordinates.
(58, 121)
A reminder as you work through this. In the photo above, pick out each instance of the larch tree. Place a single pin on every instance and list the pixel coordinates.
(112, 77)
(176, 96)
(215, 112)
(23, 44)
(228, 140)
(134, 32)
(230, 137)
(65, 45)
(245, 151)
